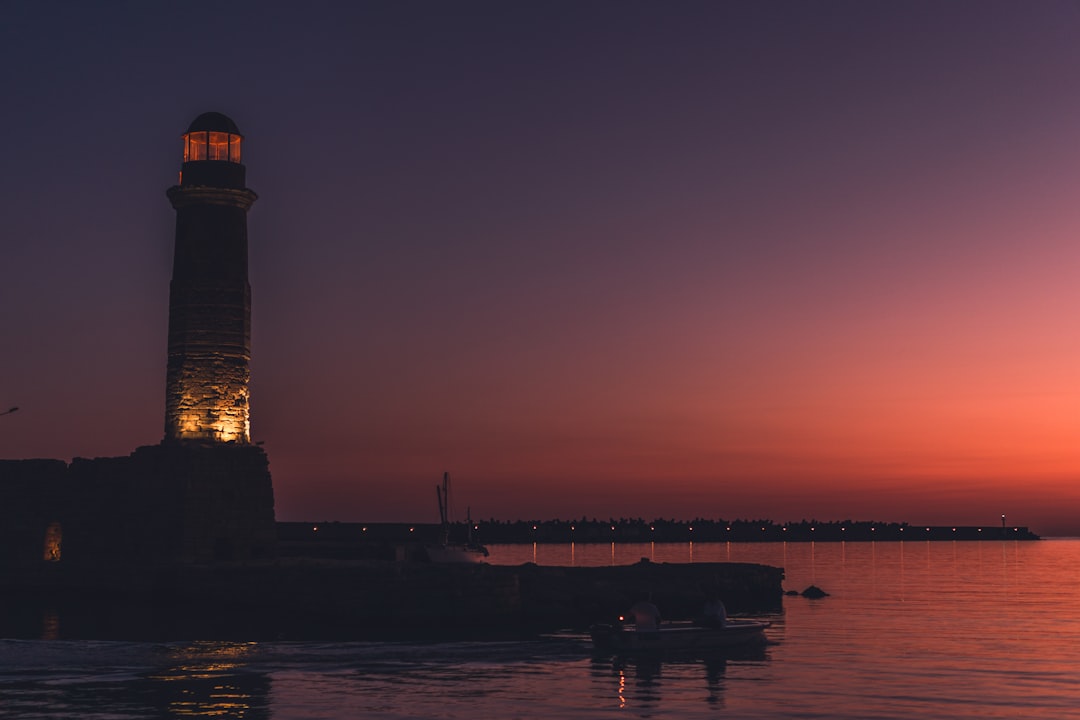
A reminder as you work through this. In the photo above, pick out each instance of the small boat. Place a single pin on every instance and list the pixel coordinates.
(679, 637)
(448, 551)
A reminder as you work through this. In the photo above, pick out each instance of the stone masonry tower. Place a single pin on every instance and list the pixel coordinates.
(206, 386)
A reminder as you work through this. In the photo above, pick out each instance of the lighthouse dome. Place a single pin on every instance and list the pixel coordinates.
(213, 122)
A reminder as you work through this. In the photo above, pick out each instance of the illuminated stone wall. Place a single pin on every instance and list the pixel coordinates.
(207, 377)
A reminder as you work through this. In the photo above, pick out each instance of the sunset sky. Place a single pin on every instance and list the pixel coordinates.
(749, 259)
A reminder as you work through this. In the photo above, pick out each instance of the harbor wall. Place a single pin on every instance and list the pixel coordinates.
(162, 504)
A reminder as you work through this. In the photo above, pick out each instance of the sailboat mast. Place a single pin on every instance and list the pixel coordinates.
(442, 504)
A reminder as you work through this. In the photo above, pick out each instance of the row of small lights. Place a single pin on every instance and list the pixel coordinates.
(652, 528)
(412, 529)
(785, 529)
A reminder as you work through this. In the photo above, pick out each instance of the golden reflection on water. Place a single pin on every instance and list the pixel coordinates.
(204, 659)
(206, 672)
(50, 624)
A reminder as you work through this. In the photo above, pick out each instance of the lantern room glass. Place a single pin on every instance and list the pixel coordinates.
(207, 145)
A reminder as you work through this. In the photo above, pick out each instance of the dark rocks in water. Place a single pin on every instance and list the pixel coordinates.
(792, 593)
(814, 592)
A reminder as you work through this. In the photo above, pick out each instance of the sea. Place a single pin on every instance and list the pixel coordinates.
(987, 629)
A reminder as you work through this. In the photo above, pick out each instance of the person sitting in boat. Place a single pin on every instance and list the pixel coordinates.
(713, 612)
(645, 615)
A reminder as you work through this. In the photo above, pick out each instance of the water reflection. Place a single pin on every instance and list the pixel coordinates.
(902, 583)
(647, 681)
(902, 634)
(50, 624)
(207, 679)
(99, 680)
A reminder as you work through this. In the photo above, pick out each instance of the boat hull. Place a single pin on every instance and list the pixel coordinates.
(679, 637)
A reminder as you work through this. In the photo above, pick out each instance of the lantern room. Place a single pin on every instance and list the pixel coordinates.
(206, 145)
(212, 138)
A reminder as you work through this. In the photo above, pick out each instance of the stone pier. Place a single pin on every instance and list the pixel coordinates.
(322, 600)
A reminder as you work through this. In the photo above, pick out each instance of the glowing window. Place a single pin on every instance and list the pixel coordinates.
(53, 537)
(219, 146)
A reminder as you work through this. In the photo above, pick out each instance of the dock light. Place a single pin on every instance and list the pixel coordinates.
(315, 529)
(365, 529)
(873, 529)
(813, 529)
(613, 527)
(412, 529)
(784, 528)
(729, 528)
(652, 528)
(843, 529)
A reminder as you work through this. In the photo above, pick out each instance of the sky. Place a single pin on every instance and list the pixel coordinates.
(749, 259)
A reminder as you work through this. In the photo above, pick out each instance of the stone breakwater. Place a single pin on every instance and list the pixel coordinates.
(322, 537)
(323, 600)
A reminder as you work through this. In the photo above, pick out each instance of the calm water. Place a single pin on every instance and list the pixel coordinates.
(927, 630)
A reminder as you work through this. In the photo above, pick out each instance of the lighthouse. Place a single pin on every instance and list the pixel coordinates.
(206, 387)
(204, 494)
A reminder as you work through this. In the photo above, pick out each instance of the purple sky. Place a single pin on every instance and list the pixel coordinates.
(736, 259)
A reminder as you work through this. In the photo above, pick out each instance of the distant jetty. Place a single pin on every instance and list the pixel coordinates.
(337, 537)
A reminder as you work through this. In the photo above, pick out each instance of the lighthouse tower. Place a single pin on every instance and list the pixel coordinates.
(204, 494)
(206, 390)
